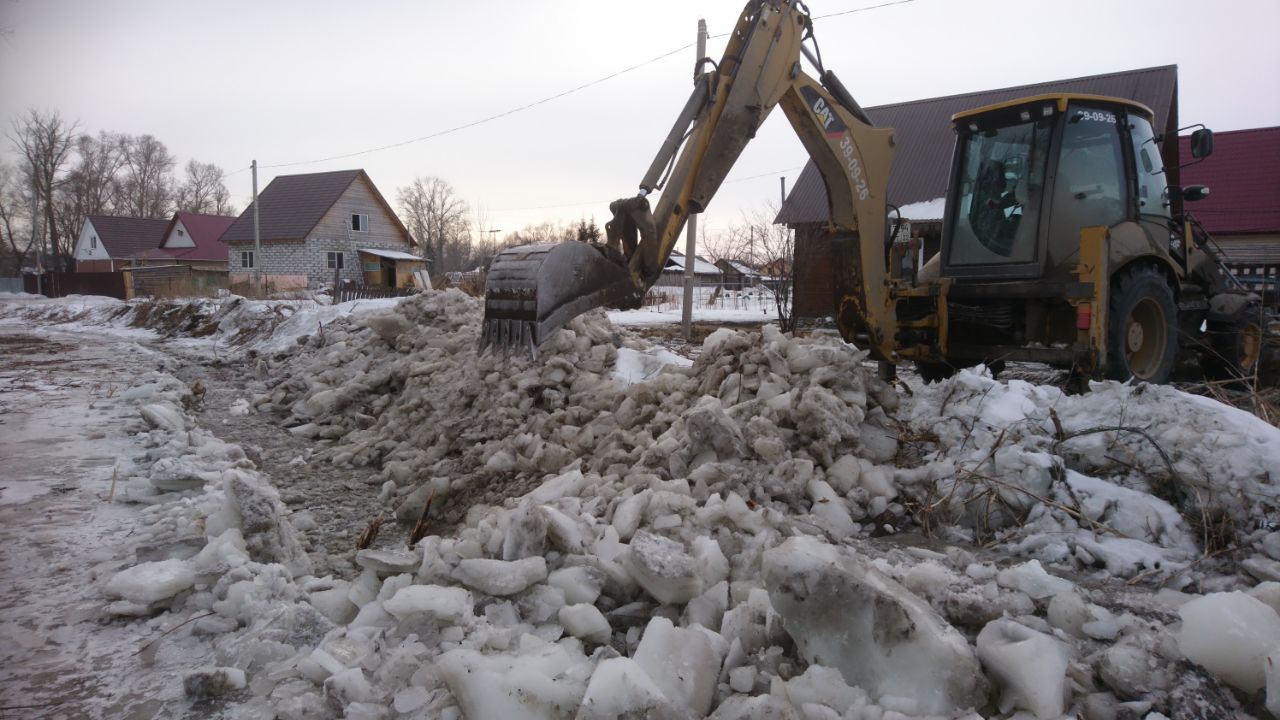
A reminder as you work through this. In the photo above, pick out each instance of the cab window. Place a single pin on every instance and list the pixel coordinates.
(1153, 187)
(1089, 187)
(1000, 180)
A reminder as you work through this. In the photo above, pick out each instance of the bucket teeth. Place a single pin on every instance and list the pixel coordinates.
(533, 290)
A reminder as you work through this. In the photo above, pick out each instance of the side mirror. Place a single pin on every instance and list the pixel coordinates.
(1202, 143)
(1192, 193)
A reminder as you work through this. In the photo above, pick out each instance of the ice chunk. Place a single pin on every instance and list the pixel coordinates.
(619, 688)
(1030, 667)
(546, 681)
(335, 603)
(580, 583)
(663, 568)
(1230, 634)
(843, 613)
(1031, 578)
(681, 662)
(388, 561)
(586, 622)
(348, 686)
(830, 509)
(626, 518)
(152, 581)
(1126, 669)
(164, 416)
(1272, 672)
(448, 604)
(501, 577)
(563, 485)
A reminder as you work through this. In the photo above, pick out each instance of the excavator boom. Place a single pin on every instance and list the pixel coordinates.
(532, 290)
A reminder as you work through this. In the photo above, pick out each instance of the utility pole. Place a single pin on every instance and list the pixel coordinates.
(257, 238)
(692, 233)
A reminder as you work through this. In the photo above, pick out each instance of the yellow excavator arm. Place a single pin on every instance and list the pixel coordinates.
(533, 290)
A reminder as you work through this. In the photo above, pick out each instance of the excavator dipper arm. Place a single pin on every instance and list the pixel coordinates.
(533, 290)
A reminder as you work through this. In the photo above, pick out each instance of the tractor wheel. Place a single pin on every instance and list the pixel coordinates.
(1235, 345)
(1142, 332)
(932, 372)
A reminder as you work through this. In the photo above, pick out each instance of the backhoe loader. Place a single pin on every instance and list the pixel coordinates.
(1064, 241)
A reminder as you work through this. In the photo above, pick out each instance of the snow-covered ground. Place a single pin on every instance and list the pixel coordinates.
(754, 305)
(609, 531)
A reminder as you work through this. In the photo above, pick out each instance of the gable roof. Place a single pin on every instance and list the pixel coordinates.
(700, 266)
(1243, 180)
(925, 140)
(292, 205)
(204, 231)
(125, 237)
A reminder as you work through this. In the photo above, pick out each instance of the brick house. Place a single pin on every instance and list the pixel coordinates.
(316, 224)
(108, 243)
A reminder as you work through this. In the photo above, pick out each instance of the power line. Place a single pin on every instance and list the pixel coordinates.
(603, 202)
(543, 101)
(490, 118)
(862, 9)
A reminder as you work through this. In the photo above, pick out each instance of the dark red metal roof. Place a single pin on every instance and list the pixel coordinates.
(1243, 176)
(125, 237)
(925, 140)
(204, 231)
(291, 205)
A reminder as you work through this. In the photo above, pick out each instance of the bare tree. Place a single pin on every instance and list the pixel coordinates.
(437, 217)
(758, 240)
(15, 218)
(204, 190)
(92, 185)
(45, 141)
(146, 189)
(545, 232)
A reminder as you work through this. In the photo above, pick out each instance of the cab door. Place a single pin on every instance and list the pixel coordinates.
(1088, 185)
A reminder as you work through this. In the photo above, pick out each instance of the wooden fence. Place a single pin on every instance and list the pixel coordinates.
(370, 292)
(61, 284)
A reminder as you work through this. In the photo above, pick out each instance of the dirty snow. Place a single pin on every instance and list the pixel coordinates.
(768, 531)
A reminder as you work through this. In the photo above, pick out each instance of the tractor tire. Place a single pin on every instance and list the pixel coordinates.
(1142, 332)
(1234, 345)
(932, 372)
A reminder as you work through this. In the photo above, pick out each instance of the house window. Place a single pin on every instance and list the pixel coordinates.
(93, 241)
(335, 260)
(246, 259)
(180, 233)
(359, 222)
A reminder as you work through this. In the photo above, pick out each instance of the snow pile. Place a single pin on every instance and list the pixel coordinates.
(765, 532)
(1106, 479)
(616, 542)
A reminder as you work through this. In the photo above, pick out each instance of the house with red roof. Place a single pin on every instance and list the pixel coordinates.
(108, 243)
(1242, 211)
(191, 239)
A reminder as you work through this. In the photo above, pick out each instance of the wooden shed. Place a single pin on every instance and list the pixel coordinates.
(390, 268)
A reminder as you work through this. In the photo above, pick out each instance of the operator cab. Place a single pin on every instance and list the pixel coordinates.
(1029, 174)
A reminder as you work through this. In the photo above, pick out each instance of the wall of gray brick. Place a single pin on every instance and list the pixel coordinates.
(310, 257)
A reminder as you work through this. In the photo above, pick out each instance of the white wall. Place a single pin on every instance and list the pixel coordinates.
(85, 249)
(178, 237)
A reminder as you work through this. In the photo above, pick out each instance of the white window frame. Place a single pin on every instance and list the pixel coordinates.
(333, 256)
(360, 219)
(246, 255)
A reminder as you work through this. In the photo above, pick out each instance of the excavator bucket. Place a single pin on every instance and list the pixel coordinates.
(533, 290)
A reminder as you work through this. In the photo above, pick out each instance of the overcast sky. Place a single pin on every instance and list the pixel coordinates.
(283, 81)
